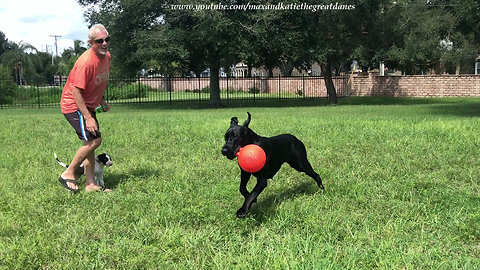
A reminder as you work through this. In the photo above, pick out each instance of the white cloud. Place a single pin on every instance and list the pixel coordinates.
(35, 21)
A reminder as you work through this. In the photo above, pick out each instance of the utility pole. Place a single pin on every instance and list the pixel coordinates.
(56, 47)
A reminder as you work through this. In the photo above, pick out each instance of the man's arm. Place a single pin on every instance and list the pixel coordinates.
(90, 123)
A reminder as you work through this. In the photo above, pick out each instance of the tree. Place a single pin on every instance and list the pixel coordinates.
(21, 58)
(124, 19)
(213, 36)
(432, 35)
(335, 31)
(181, 37)
(378, 35)
(8, 87)
(70, 56)
(280, 39)
(197, 39)
(46, 69)
(3, 40)
(465, 33)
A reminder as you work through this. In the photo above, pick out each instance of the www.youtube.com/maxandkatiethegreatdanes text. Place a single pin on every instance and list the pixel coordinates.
(280, 6)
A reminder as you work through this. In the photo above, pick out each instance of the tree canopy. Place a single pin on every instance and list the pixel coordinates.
(185, 38)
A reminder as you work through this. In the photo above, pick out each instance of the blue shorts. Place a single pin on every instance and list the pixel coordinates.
(77, 121)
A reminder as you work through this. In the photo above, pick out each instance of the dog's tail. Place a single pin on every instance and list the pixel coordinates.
(59, 162)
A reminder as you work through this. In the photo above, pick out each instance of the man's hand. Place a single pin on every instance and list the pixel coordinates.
(91, 125)
(105, 105)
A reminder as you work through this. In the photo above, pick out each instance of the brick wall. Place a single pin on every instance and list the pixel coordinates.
(359, 85)
(416, 85)
(307, 86)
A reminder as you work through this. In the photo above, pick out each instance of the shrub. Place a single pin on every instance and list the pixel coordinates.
(206, 89)
(127, 91)
(230, 89)
(253, 90)
(8, 87)
(36, 95)
(148, 88)
(50, 95)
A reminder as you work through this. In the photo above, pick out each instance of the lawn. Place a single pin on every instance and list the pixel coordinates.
(401, 179)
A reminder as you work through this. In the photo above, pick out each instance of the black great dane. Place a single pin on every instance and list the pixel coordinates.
(278, 149)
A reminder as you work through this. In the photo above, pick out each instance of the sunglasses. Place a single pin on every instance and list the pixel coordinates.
(101, 40)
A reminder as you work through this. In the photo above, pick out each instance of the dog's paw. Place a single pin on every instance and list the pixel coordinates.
(241, 213)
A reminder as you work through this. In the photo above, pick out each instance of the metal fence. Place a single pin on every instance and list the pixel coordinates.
(172, 90)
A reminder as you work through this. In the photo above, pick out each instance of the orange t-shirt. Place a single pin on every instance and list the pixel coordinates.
(90, 74)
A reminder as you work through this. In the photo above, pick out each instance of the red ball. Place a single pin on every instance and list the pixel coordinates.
(251, 158)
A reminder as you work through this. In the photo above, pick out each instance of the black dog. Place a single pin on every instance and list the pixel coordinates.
(278, 149)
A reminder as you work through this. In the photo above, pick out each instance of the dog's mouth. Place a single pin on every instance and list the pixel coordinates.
(230, 154)
(236, 150)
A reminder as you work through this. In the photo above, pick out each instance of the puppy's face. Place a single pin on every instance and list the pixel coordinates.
(235, 137)
(105, 159)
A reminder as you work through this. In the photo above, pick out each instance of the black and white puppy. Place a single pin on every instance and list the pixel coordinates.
(101, 161)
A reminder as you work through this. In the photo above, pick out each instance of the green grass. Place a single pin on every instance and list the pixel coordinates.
(401, 178)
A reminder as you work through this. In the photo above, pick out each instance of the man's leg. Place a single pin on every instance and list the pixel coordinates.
(89, 166)
(85, 151)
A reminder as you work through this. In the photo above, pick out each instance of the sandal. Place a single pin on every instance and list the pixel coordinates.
(64, 183)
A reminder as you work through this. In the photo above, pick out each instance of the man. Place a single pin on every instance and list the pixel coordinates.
(82, 93)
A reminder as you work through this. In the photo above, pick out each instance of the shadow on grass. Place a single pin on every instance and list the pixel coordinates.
(471, 109)
(450, 106)
(178, 105)
(397, 101)
(265, 207)
(112, 180)
(313, 102)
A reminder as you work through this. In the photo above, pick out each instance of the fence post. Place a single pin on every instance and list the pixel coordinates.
(200, 90)
(279, 89)
(38, 93)
(303, 86)
(227, 91)
(254, 88)
(139, 90)
(168, 82)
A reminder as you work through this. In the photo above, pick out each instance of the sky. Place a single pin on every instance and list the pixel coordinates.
(34, 22)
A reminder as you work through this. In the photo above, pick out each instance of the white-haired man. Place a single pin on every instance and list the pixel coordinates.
(83, 92)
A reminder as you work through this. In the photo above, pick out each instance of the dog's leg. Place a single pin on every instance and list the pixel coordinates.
(308, 170)
(99, 169)
(300, 163)
(99, 180)
(245, 176)
(252, 197)
(315, 177)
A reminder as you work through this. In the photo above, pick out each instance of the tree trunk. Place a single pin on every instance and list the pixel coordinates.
(270, 72)
(287, 68)
(327, 76)
(215, 84)
(249, 71)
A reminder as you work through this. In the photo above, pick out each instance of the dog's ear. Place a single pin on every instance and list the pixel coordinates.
(233, 121)
(247, 122)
